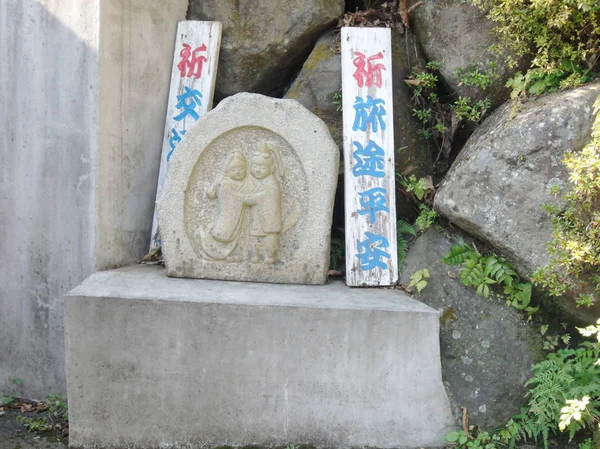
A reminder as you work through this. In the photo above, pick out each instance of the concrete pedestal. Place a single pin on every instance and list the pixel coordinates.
(176, 363)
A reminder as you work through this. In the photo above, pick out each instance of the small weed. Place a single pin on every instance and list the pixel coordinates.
(337, 100)
(481, 272)
(419, 279)
(427, 217)
(402, 229)
(56, 416)
(441, 117)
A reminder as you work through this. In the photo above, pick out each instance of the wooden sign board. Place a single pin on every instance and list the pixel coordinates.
(370, 200)
(193, 78)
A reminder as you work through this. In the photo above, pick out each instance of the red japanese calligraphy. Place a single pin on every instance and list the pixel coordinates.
(368, 74)
(191, 61)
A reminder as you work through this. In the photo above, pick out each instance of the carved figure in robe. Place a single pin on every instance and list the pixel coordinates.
(229, 188)
(264, 202)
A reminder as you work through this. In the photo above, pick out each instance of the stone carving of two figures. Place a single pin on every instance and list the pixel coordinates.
(249, 208)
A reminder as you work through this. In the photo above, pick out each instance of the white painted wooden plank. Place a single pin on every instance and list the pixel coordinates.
(370, 200)
(193, 78)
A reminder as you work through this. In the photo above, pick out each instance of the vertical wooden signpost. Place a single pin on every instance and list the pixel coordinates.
(191, 93)
(370, 200)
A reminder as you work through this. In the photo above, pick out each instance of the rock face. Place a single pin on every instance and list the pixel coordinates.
(458, 34)
(249, 195)
(265, 40)
(321, 78)
(496, 187)
(319, 82)
(487, 349)
(413, 149)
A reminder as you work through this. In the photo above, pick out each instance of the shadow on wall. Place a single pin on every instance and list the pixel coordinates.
(48, 117)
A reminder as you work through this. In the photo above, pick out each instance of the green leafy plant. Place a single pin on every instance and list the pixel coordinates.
(466, 109)
(478, 440)
(554, 389)
(416, 186)
(402, 229)
(337, 100)
(574, 248)
(8, 398)
(419, 279)
(560, 37)
(482, 272)
(426, 218)
(56, 416)
(441, 115)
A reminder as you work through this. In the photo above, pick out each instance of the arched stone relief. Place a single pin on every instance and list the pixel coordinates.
(247, 191)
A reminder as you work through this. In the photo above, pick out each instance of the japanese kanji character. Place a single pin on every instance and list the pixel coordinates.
(368, 74)
(370, 160)
(373, 201)
(369, 112)
(174, 140)
(371, 252)
(188, 102)
(191, 61)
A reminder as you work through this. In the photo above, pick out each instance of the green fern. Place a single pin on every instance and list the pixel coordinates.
(481, 272)
(402, 228)
(500, 270)
(459, 254)
(564, 375)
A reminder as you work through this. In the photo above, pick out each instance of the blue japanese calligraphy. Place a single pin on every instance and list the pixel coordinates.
(372, 201)
(188, 101)
(370, 251)
(369, 160)
(369, 112)
(174, 140)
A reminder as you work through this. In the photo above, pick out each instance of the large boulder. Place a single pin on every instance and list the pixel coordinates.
(264, 41)
(487, 349)
(496, 187)
(458, 35)
(318, 84)
(321, 79)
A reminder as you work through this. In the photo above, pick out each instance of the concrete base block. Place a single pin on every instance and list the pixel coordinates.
(157, 362)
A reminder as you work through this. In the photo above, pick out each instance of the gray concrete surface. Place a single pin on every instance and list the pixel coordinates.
(80, 139)
(206, 230)
(160, 362)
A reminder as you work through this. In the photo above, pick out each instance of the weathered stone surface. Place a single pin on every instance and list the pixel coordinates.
(497, 186)
(321, 78)
(458, 34)
(157, 362)
(249, 195)
(264, 41)
(319, 81)
(413, 149)
(487, 349)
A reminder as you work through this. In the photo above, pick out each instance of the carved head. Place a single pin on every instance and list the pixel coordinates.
(261, 164)
(235, 167)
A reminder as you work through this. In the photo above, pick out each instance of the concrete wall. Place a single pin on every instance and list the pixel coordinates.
(83, 89)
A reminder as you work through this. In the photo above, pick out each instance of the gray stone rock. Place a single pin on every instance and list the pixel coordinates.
(487, 349)
(264, 40)
(321, 78)
(249, 195)
(413, 149)
(458, 34)
(496, 187)
(319, 81)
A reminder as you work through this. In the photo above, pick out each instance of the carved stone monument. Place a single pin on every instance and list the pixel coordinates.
(249, 195)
